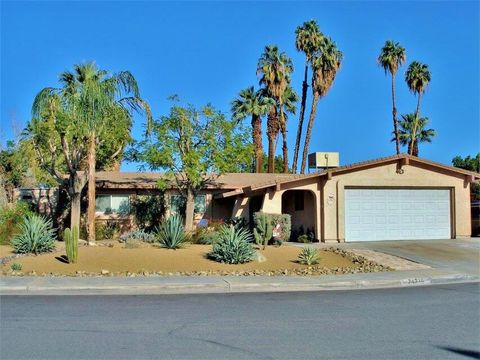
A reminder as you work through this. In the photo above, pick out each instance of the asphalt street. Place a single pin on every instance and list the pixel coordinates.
(433, 322)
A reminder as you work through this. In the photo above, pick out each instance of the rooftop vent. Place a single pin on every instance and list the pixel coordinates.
(323, 160)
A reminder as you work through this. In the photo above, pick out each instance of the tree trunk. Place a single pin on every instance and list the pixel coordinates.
(285, 149)
(91, 189)
(309, 131)
(272, 125)
(415, 149)
(257, 142)
(300, 120)
(189, 211)
(394, 113)
(415, 125)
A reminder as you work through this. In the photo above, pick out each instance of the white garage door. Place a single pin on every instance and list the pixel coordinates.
(397, 214)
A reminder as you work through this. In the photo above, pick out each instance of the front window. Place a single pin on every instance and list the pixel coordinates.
(178, 204)
(112, 204)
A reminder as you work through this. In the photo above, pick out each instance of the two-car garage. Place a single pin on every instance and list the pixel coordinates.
(397, 214)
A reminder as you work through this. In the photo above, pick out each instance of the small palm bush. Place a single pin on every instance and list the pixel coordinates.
(233, 246)
(171, 234)
(309, 256)
(36, 236)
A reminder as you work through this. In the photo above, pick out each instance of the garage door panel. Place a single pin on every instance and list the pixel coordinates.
(397, 214)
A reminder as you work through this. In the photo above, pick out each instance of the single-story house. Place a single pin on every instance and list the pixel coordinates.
(399, 197)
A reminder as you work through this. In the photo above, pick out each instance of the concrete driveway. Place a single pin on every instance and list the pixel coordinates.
(455, 254)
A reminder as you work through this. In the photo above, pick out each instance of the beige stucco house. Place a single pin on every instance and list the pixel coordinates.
(394, 198)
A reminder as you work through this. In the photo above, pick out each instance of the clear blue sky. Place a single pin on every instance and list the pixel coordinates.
(208, 51)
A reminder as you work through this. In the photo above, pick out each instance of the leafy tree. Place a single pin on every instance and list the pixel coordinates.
(468, 163)
(472, 164)
(307, 40)
(95, 102)
(391, 57)
(417, 78)
(274, 68)
(326, 62)
(411, 135)
(255, 104)
(278, 164)
(194, 146)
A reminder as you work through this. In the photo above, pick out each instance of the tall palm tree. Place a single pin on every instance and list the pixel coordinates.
(255, 104)
(417, 78)
(411, 135)
(391, 57)
(307, 40)
(325, 63)
(290, 99)
(274, 68)
(94, 96)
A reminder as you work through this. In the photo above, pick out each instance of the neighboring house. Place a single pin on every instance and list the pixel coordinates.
(394, 198)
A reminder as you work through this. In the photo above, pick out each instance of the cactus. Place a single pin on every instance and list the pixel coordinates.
(263, 230)
(71, 243)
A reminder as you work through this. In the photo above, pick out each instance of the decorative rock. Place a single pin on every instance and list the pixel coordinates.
(260, 258)
(105, 272)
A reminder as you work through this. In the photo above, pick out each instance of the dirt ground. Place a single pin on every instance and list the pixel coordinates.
(154, 259)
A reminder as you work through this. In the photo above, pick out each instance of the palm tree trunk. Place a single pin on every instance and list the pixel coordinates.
(300, 120)
(271, 134)
(257, 142)
(415, 125)
(394, 113)
(285, 149)
(91, 190)
(415, 149)
(309, 131)
(76, 185)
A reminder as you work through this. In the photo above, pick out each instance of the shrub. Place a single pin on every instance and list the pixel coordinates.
(16, 267)
(106, 230)
(233, 246)
(171, 233)
(147, 210)
(238, 222)
(304, 239)
(11, 217)
(137, 235)
(36, 236)
(309, 256)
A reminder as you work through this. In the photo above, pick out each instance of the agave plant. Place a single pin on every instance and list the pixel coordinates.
(36, 236)
(171, 233)
(309, 256)
(233, 246)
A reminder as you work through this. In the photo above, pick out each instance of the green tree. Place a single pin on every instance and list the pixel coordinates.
(307, 40)
(194, 146)
(255, 104)
(274, 68)
(74, 120)
(412, 132)
(417, 78)
(391, 57)
(468, 163)
(326, 62)
(278, 164)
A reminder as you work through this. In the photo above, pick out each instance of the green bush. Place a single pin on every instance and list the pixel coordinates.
(36, 236)
(11, 217)
(283, 219)
(204, 236)
(171, 233)
(233, 246)
(16, 267)
(309, 256)
(147, 210)
(303, 239)
(107, 230)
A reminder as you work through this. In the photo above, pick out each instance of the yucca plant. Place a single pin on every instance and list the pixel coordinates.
(233, 246)
(309, 256)
(36, 236)
(171, 233)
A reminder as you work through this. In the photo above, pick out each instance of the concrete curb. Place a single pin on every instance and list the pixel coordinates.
(227, 284)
